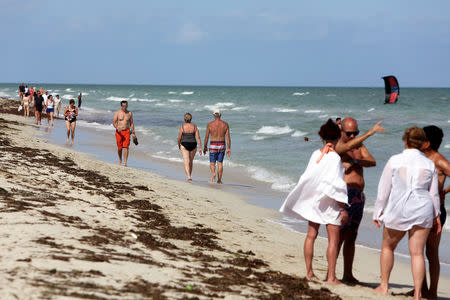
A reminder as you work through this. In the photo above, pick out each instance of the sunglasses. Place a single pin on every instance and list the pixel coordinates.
(124, 105)
(349, 133)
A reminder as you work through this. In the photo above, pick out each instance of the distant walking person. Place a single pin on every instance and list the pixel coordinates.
(26, 105)
(58, 104)
(70, 115)
(50, 109)
(407, 201)
(188, 140)
(79, 100)
(21, 91)
(434, 135)
(38, 106)
(219, 131)
(123, 122)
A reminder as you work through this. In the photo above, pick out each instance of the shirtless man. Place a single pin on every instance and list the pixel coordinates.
(355, 157)
(218, 130)
(123, 122)
(434, 136)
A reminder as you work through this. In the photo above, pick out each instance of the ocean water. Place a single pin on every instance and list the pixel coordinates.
(267, 124)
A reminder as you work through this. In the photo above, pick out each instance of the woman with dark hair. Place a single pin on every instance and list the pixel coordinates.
(50, 109)
(188, 140)
(407, 201)
(319, 198)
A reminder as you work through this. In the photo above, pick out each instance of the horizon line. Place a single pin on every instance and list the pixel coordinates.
(226, 85)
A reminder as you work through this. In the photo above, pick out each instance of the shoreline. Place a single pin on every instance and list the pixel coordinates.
(253, 191)
(234, 214)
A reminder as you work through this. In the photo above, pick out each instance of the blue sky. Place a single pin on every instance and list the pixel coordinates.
(295, 43)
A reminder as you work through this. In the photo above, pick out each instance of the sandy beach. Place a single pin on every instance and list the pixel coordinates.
(73, 227)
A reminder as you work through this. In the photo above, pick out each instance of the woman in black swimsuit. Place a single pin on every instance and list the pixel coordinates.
(70, 115)
(188, 139)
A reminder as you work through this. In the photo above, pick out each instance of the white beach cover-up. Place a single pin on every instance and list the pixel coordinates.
(408, 192)
(317, 192)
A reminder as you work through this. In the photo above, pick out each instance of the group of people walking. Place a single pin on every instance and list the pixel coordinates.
(410, 199)
(40, 102)
(189, 141)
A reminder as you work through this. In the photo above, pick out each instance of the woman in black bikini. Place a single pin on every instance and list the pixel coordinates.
(70, 115)
(188, 139)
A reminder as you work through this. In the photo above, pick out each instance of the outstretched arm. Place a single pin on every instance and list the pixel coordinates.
(357, 141)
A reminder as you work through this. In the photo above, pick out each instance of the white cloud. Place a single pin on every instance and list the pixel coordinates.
(190, 33)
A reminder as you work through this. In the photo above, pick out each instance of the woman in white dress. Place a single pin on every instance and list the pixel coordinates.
(407, 201)
(319, 198)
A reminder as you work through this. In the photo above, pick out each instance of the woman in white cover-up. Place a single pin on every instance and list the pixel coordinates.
(407, 201)
(319, 197)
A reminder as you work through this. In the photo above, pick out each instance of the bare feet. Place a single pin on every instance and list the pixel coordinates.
(219, 181)
(311, 276)
(334, 281)
(189, 179)
(120, 162)
(213, 178)
(381, 290)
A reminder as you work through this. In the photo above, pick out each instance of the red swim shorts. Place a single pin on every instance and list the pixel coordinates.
(123, 138)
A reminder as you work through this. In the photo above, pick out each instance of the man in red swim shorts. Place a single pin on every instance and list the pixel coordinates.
(123, 122)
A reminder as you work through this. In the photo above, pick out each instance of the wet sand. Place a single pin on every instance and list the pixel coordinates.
(75, 227)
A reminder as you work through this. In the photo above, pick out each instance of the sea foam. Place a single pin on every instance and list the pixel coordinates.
(274, 130)
(284, 110)
(299, 133)
(114, 98)
(300, 94)
(279, 182)
(187, 93)
(219, 105)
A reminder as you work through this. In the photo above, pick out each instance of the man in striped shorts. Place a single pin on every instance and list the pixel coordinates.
(219, 131)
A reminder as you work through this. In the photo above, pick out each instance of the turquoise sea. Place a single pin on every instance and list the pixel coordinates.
(268, 125)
